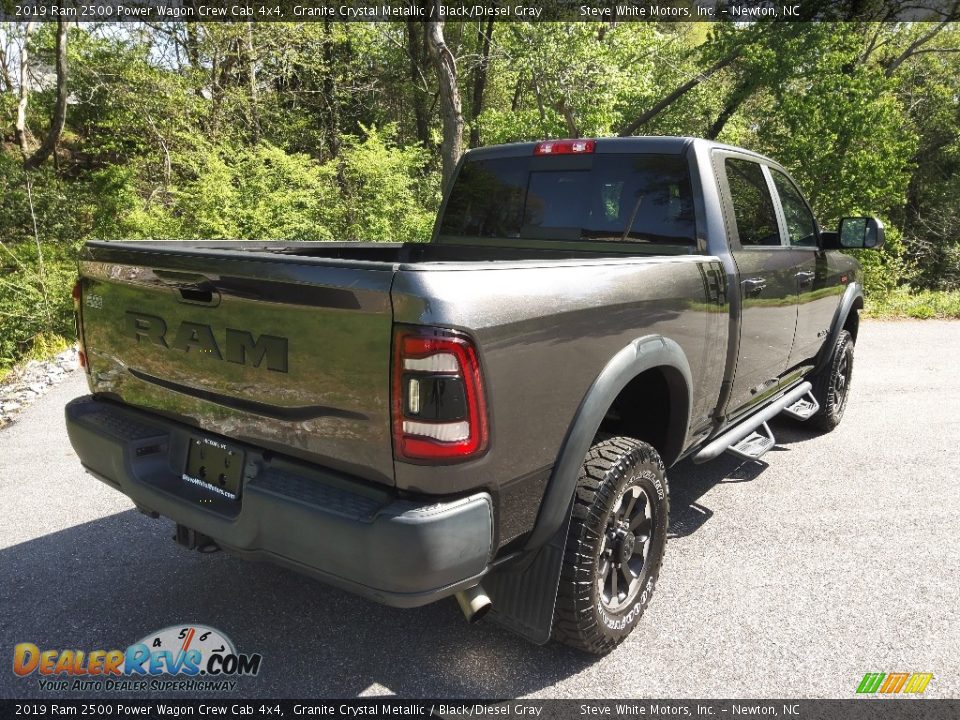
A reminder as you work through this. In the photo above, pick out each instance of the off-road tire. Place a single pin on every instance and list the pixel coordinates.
(831, 387)
(614, 470)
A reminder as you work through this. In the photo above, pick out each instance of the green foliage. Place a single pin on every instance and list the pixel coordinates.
(373, 190)
(930, 86)
(254, 193)
(385, 196)
(35, 303)
(919, 304)
(882, 269)
(331, 131)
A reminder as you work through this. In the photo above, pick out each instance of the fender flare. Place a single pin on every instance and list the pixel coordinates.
(852, 299)
(643, 354)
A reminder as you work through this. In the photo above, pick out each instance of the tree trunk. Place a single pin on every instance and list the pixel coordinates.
(251, 59)
(330, 92)
(573, 130)
(5, 71)
(20, 129)
(416, 44)
(450, 108)
(192, 41)
(678, 93)
(221, 74)
(741, 92)
(517, 94)
(59, 118)
(480, 81)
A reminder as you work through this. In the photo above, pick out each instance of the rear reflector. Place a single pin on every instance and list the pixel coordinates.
(438, 407)
(564, 147)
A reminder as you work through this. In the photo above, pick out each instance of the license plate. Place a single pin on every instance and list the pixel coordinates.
(215, 466)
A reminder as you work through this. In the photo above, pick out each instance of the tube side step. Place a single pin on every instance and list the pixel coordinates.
(804, 408)
(743, 434)
(755, 445)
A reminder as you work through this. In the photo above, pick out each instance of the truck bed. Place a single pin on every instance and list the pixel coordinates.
(282, 345)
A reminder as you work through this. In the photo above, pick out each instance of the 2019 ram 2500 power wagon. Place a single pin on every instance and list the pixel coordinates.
(488, 415)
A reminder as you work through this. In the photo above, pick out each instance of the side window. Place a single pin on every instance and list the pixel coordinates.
(800, 223)
(752, 204)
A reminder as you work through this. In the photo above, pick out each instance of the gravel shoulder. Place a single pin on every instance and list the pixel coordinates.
(837, 557)
(29, 382)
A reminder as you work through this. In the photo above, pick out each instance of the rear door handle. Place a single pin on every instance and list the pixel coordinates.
(805, 278)
(754, 286)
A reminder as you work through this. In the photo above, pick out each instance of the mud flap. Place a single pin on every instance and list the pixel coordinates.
(524, 593)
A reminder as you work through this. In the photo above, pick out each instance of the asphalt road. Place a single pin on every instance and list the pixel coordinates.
(839, 557)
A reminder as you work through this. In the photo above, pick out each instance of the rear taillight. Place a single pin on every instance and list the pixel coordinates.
(439, 412)
(77, 295)
(564, 147)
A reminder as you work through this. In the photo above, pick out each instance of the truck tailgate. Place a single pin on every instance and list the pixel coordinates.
(289, 353)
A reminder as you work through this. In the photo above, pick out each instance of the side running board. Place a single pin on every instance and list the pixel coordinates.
(744, 440)
(804, 408)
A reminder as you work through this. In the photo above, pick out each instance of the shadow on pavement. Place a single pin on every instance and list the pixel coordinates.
(690, 482)
(107, 583)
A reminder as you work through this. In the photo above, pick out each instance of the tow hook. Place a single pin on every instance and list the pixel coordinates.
(193, 540)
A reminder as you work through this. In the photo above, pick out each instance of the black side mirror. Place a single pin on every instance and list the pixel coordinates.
(861, 233)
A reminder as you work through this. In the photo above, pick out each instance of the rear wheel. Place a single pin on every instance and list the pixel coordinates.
(615, 545)
(832, 386)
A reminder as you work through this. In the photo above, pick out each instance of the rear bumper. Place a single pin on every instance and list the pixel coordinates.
(342, 531)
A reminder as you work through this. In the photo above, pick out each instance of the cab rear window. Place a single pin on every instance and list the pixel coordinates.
(643, 198)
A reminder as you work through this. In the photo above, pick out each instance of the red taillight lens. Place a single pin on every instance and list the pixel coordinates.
(438, 407)
(77, 295)
(564, 147)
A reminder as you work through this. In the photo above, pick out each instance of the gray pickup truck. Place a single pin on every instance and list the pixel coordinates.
(488, 415)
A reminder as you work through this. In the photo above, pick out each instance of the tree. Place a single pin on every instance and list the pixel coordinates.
(59, 117)
(21, 131)
(480, 74)
(450, 107)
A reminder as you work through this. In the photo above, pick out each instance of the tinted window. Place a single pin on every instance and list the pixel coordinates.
(641, 198)
(801, 226)
(752, 204)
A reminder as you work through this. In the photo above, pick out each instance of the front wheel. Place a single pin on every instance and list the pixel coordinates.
(832, 387)
(615, 545)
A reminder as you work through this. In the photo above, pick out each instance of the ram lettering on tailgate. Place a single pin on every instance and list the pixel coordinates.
(239, 346)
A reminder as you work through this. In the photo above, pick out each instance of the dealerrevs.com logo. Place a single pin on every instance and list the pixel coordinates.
(179, 657)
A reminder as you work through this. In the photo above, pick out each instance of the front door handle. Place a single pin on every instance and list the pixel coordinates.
(805, 278)
(754, 286)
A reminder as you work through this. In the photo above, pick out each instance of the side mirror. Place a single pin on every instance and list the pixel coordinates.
(861, 233)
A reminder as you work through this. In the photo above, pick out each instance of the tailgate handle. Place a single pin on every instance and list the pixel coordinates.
(202, 294)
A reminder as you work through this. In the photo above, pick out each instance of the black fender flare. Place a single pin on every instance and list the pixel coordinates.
(643, 354)
(852, 300)
(524, 591)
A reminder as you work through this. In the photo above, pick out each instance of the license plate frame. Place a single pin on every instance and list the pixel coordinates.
(215, 466)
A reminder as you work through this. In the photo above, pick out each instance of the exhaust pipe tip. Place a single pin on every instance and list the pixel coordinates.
(474, 603)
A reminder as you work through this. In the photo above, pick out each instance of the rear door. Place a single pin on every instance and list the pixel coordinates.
(768, 286)
(288, 353)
